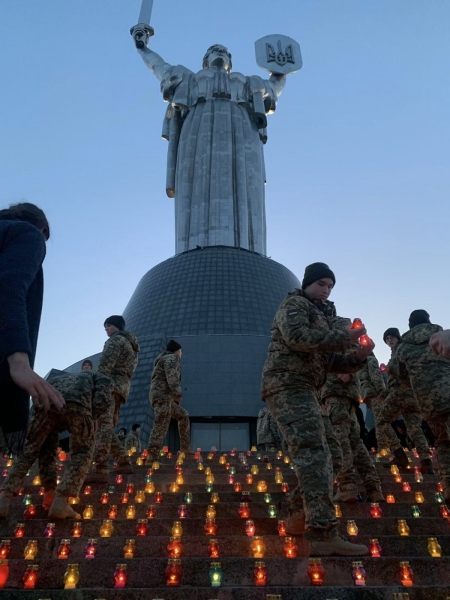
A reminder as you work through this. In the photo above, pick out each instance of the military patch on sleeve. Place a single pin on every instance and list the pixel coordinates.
(291, 313)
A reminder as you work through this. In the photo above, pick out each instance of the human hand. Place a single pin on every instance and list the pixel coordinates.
(440, 343)
(363, 351)
(141, 34)
(355, 334)
(41, 392)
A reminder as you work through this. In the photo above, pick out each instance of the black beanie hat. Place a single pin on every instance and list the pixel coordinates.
(315, 272)
(87, 361)
(392, 331)
(417, 317)
(116, 320)
(173, 346)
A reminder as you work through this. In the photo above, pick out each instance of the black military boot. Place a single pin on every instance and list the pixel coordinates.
(401, 460)
(426, 466)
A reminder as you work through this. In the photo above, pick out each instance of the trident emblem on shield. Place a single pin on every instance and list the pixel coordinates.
(280, 57)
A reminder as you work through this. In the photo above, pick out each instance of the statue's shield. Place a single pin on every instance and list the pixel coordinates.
(278, 54)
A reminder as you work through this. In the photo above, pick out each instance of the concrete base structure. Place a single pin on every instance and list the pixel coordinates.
(219, 303)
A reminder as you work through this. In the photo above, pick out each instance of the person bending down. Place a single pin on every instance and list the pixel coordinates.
(87, 396)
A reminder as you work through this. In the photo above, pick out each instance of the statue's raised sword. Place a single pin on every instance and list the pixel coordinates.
(143, 30)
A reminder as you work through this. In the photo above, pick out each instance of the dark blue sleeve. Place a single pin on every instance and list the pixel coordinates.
(22, 251)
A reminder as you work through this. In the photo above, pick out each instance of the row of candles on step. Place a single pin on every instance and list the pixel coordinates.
(174, 573)
(258, 546)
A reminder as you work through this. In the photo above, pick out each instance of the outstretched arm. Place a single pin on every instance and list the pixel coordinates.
(154, 62)
(277, 82)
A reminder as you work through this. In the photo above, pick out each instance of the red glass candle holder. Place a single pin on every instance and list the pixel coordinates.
(250, 528)
(260, 574)
(119, 478)
(213, 549)
(406, 487)
(282, 528)
(290, 548)
(50, 530)
(285, 487)
(142, 528)
(124, 498)
(237, 487)
(112, 512)
(158, 497)
(104, 498)
(130, 488)
(375, 548)
(19, 530)
(77, 530)
(29, 512)
(151, 512)
(4, 572)
(244, 510)
(31, 577)
(64, 549)
(406, 574)
(316, 572)
(249, 479)
(120, 576)
(210, 527)
(173, 572)
(375, 510)
(175, 548)
(5, 549)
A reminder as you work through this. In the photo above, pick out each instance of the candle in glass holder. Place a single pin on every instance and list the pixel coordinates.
(316, 572)
(290, 548)
(64, 549)
(210, 527)
(406, 574)
(215, 574)
(104, 498)
(29, 512)
(130, 488)
(237, 487)
(149, 487)
(215, 498)
(403, 528)
(49, 531)
(390, 499)
(285, 487)
(31, 550)
(88, 512)
(406, 487)
(175, 548)
(244, 510)
(375, 510)
(120, 576)
(5, 549)
(124, 498)
(142, 528)
(358, 573)
(90, 550)
(177, 529)
(278, 477)
(4, 572)
(434, 548)
(37, 480)
(337, 511)
(249, 479)
(87, 490)
(398, 478)
(112, 511)
(77, 530)
(174, 488)
(106, 528)
(213, 549)
(173, 572)
(188, 498)
(281, 528)
(158, 497)
(31, 577)
(445, 512)
(245, 497)
(439, 498)
(182, 511)
(151, 512)
(211, 511)
(71, 577)
(260, 574)
(415, 511)
(258, 547)
(140, 497)
(129, 550)
(375, 548)
(130, 513)
(352, 528)
(27, 501)
(273, 512)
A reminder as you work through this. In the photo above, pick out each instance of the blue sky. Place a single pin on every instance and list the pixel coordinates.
(357, 159)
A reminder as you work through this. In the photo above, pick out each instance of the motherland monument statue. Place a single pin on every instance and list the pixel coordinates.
(216, 126)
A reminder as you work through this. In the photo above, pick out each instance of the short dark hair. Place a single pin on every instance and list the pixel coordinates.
(122, 429)
(135, 426)
(25, 211)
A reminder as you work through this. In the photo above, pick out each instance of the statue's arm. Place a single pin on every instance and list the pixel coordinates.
(155, 63)
(277, 82)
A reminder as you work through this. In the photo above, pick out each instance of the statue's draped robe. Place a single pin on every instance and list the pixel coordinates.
(215, 125)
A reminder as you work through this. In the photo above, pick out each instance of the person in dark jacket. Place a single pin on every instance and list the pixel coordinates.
(24, 229)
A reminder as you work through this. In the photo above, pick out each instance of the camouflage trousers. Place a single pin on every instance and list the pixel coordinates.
(355, 454)
(164, 411)
(407, 407)
(299, 417)
(295, 497)
(440, 426)
(107, 443)
(386, 437)
(42, 443)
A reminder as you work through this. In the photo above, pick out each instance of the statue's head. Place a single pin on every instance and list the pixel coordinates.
(219, 56)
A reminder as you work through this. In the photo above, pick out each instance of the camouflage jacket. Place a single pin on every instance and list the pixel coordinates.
(371, 380)
(89, 389)
(132, 441)
(166, 378)
(334, 386)
(267, 431)
(119, 360)
(414, 364)
(304, 347)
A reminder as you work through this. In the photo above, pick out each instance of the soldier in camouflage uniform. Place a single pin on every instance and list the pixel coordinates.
(341, 394)
(414, 364)
(165, 397)
(304, 348)
(267, 433)
(133, 439)
(401, 401)
(88, 396)
(118, 361)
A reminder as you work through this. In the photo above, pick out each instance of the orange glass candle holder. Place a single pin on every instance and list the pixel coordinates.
(175, 548)
(31, 577)
(406, 574)
(64, 549)
(213, 549)
(290, 548)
